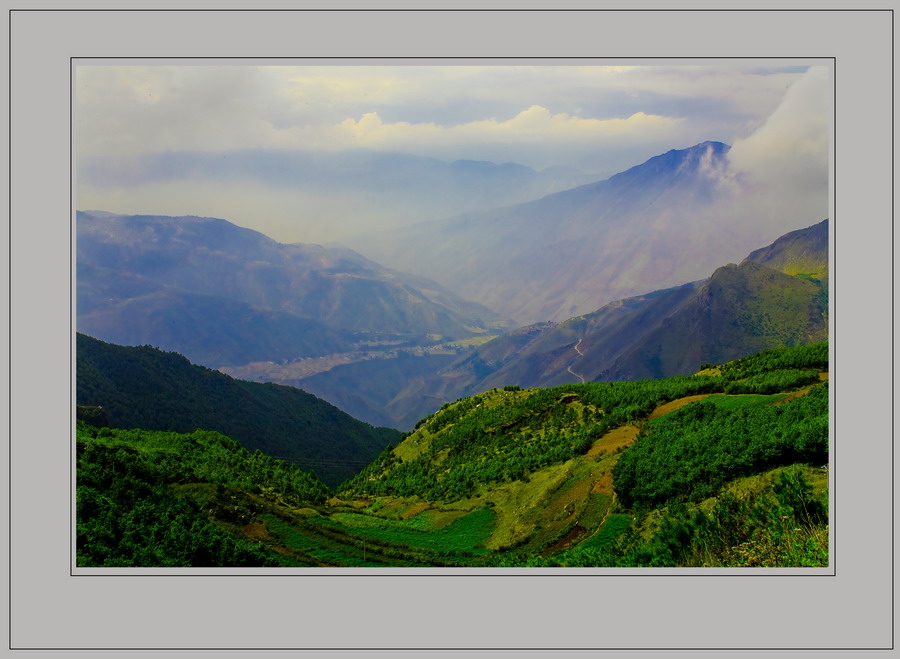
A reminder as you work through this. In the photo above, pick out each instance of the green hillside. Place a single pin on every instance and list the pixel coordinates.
(724, 468)
(143, 387)
(803, 253)
(165, 499)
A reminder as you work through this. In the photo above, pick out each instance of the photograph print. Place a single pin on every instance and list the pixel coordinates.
(412, 314)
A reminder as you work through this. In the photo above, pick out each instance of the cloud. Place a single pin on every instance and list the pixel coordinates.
(792, 146)
(186, 136)
(133, 109)
(785, 163)
(535, 126)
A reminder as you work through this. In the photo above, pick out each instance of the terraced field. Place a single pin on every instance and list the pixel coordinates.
(557, 509)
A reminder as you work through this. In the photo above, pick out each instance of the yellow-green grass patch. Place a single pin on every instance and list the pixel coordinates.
(612, 440)
(675, 404)
(519, 505)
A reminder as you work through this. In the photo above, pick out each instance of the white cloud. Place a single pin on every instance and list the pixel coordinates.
(792, 146)
(133, 109)
(785, 163)
(535, 125)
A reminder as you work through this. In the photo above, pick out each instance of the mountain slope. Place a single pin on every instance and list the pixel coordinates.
(669, 220)
(739, 310)
(281, 291)
(162, 499)
(803, 252)
(130, 309)
(565, 469)
(142, 387)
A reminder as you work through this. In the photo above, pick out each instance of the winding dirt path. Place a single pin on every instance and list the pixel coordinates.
(580, 354)
(580, 377)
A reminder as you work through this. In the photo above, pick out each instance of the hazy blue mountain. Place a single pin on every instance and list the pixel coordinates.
(656, 225)
(228, 295)
(375, 390)
(130, 309)
(399, 188)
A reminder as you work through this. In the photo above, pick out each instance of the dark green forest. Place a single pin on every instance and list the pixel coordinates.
(143, 387)
(150, 498)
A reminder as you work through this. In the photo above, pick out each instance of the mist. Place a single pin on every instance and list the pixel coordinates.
(783, 167)
(323, 154)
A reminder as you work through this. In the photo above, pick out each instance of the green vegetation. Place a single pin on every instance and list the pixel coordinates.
(691, 453)
(772, 382)
(142, 387)
(784, 526)
(504, 435)
(721, 469)
(154, 498)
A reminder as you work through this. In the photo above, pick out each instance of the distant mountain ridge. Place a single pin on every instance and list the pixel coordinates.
(656, 225)
(138, 275)
(394, 188)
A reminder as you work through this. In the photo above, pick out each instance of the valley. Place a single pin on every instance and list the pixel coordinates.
(390, 347)
(296, 370)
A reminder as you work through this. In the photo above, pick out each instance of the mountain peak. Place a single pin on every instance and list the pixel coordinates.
(678, 161)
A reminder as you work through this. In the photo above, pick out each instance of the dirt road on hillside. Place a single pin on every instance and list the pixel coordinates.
(580, 354)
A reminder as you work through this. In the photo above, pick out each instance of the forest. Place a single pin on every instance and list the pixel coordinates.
(142, 387)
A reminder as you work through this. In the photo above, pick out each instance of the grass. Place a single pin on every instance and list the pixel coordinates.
(737, 401)
(322, 543)
(357, 539)
(464, 535)
(611, 529)
(794, 548)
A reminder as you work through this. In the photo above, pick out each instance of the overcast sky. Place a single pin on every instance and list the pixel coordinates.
(598, 119)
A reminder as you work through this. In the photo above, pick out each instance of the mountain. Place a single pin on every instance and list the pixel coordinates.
(131, 309)
(375, 390)
(143, 387)
(669, 220)
(725, 468)
(739, 310)
(802, 253)
(227, 295)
